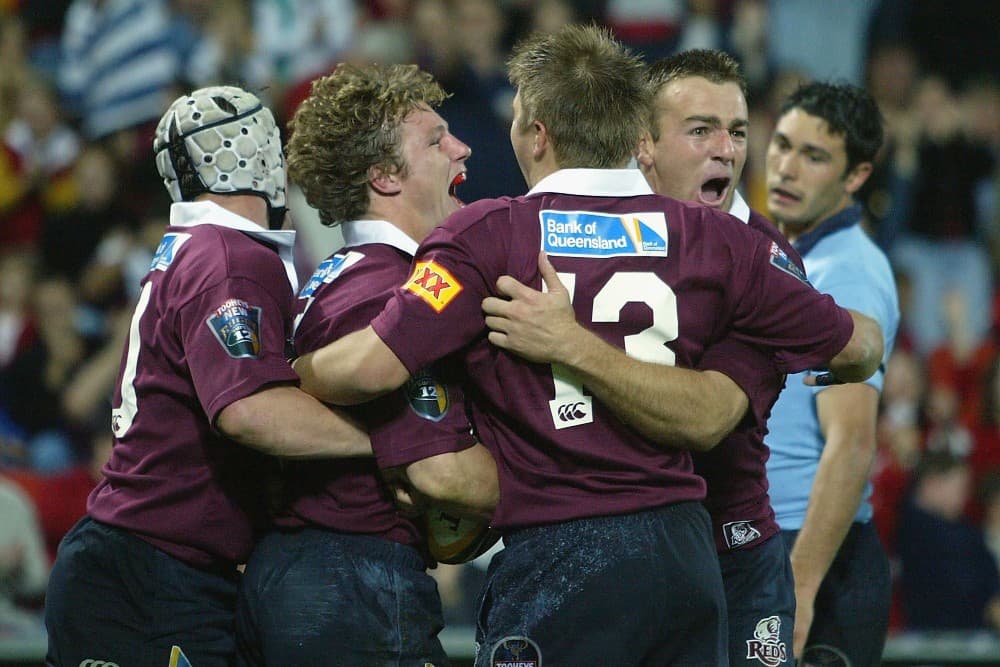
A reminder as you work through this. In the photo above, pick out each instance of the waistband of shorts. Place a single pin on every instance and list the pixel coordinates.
(221, 568)
(366, 545)
(547, 530)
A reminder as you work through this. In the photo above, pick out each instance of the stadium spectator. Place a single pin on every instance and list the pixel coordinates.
(949, 580)
(823, 439)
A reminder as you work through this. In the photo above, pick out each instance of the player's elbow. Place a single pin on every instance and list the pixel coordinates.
(466, 479)
(244, 420)
(862, 355)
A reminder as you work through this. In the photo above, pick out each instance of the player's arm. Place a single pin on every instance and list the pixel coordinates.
(667, 404)
(847, 416)
(354, 369)
(860, 358)
(283, 420)
(464, 482)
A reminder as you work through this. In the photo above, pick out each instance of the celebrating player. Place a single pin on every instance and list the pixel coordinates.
(342, 578)
(587, 504)
(204, 392)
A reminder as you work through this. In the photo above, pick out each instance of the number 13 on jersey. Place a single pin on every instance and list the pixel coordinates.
(571, 406)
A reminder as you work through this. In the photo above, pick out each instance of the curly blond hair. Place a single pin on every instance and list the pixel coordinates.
(349, 125)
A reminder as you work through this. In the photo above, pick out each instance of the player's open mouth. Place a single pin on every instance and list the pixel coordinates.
(713, 191)
(459, 178)
(783, 196)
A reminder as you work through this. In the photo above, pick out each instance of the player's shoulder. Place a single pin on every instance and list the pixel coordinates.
(478, 212)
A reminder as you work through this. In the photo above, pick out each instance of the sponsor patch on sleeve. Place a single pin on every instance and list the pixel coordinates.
(434, 284)
(589, 234)
(236, 326)
(165, 252)
(328, 270)
(427, 396)
(783, 262)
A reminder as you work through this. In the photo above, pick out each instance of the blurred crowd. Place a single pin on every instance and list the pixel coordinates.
(81, 211)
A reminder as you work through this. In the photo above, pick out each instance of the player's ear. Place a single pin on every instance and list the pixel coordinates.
(644, 151)
(857, 176)
(542, 141)
(383, 181)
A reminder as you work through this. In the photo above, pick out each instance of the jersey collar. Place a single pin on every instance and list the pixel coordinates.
(195, 213)
(848, 217)
(594, 183)
(360, 232)
(739, 208)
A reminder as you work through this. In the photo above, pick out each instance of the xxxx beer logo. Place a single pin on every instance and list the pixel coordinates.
(432, 283)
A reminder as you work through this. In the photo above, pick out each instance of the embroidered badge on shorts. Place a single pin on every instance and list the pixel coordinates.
(236, 325)
(766, 645)
(516, 652)
(739, 533)
(426, 396)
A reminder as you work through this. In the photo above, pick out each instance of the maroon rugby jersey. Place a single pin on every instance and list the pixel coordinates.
(425, 418)
(209, 329)
(660, 278)
(735, 469)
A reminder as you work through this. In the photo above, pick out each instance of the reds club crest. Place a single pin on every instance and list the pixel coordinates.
(766, 645)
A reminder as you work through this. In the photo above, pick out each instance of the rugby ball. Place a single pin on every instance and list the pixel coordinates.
(452, 539)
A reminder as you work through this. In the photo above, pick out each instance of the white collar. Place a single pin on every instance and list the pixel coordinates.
(594, 183)
(359, 232)
(195, 213)
(740, 208)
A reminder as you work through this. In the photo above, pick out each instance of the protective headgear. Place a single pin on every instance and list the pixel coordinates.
(221, 139)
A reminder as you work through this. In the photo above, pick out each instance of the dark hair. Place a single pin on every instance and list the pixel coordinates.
(848, 110)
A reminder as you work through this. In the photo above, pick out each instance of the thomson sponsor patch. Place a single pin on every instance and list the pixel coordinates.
(516, 652)
(426, 396)
(434, 284)
(589, 234)
(236, 325)
(784, 262)
(165, 252)
(327, 272)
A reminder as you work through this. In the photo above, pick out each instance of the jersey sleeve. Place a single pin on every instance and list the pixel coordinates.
(426, 417)
(233, 335)
(751, 368)
(779, 310)
(438, 310)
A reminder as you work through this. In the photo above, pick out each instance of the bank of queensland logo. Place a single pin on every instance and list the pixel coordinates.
(177, 658)
(766, 645)
(516, 652)
(327, 272)
(427, 396)
(167, 249)
(236, 325)
(434, 284)
(590, 234)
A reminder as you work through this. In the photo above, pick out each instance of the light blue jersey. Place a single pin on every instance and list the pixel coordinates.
(841, 261)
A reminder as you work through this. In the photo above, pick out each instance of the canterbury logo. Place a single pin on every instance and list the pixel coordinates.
(572, 411)
(89, 662)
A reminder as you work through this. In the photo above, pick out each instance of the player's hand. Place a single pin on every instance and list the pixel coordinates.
(824, 379)
(408, 501)
(532, 324)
